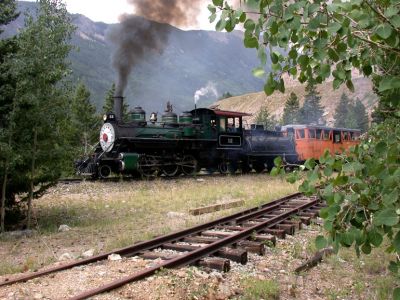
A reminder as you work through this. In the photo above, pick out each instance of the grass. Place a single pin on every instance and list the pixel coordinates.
(107, 216)
(260, 289)
(369, 274)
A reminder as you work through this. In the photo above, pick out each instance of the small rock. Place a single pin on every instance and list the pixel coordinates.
(66, 256)
(174, 214)
(64, 228)
(266, 270)
(121, 271)
(37, 296)
(102, 273)
(88, 253)
(200, 180)
(114, 257)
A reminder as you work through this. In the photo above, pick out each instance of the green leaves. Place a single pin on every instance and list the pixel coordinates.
(320, 242)
(375, 238)
(334, 27)
(251, 42)
(218, 2)
(360, 187)
(249, 25)
(396, 242)
(258, 72)
(384, 31)
(270, 85)
(386, 217)
(389, 83)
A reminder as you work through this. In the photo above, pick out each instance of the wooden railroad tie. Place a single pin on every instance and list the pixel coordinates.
(215, 207)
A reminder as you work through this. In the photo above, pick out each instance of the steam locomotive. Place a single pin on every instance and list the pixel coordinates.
(207, 138)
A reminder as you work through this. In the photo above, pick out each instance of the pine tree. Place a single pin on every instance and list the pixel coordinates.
(312, 111)
(342, 112)
(8, 13)
(109, 100)
(361, 116)
(225, 95)
(291, 110)
(264, 118)
(40, 104)
(351, 115)
(85, 120)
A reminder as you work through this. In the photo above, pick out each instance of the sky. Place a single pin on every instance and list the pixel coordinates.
(108, 11)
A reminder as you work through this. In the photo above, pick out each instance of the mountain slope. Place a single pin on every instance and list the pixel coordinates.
(190, 60)
(252, 103)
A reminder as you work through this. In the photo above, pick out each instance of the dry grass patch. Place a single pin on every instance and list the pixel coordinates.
(106, 216)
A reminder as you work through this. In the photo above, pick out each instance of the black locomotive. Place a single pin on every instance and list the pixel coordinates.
(202, 138)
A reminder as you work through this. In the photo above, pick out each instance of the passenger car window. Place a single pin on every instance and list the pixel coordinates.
(336, 137)
(300, 133)
(311, 133)
(318, 134)
(326, 135)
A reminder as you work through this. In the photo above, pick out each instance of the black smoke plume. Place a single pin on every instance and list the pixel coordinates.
(146, 31)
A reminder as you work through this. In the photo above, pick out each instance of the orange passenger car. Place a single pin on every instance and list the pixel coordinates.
(311, 141)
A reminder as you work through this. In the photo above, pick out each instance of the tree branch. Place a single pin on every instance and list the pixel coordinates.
(381, 15)
(382, 46)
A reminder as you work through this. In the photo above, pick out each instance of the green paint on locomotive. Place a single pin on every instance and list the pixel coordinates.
(129, 161)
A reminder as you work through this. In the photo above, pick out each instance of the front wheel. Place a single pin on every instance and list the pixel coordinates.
(104, 171)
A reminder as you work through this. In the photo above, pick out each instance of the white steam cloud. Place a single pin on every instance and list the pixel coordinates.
(207, 90)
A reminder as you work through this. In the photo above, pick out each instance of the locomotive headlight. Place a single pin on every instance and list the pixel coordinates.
(105, 118)
(107, 137)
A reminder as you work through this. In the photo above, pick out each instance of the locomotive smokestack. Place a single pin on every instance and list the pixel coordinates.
(118, 103)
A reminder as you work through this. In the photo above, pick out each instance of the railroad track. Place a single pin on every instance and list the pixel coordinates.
(212, 244)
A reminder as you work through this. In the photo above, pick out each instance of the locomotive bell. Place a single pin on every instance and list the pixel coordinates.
(137, 115)
(153, 117)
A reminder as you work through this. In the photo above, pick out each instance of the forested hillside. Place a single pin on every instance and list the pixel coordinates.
(253, 102)
(189, 62)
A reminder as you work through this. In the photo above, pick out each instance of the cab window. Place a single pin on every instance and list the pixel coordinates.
(222, 124)
(234, 124)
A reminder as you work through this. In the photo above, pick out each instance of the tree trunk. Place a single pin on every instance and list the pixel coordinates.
(3, 198)
(86, 142)
(32, 178)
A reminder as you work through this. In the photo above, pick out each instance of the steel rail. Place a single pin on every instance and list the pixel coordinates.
(194, 255)
(156, 242)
